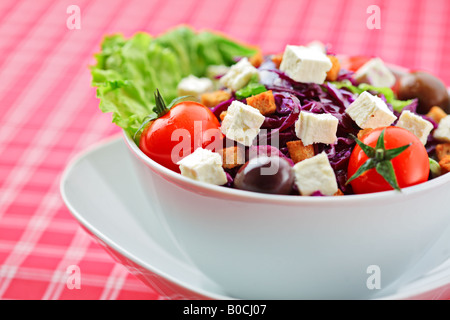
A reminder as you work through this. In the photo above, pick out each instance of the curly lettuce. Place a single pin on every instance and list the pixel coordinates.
(128, 71)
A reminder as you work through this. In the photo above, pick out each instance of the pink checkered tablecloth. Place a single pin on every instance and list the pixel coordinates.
(49, 112)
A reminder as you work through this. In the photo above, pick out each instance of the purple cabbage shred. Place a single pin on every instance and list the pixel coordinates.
(291, 97)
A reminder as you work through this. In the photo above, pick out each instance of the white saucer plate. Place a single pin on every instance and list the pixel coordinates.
(102, 192)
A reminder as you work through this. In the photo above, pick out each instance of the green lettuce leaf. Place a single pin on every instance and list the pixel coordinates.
(251, 89)
(128, 71)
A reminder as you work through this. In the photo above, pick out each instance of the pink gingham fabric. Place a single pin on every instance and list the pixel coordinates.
(49, 112)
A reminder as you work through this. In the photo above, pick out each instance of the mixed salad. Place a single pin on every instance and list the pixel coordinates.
(304, 121)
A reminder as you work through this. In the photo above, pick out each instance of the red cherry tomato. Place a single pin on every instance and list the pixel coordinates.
(411, 166)
(185, 127)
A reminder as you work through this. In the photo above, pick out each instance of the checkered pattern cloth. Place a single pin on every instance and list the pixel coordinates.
(49, 112)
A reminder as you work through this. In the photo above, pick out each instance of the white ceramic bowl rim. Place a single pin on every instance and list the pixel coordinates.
(439, 182)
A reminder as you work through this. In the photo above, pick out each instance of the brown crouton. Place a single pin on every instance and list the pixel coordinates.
(222, 115)
(442, 150)
(232, 157)
(212, 99)
(264, 102)
(436, 114)
(257, 59)
(333, 73)
(276, 59)
(363, 132)
(298, 151)
(445, 164)
(338, 193)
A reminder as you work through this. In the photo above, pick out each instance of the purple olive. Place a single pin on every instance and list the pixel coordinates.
(429, 90)
(266, 175)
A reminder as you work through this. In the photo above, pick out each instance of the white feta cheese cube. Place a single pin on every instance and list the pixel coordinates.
(203, 165)
(443, 131)
(194, 86)
(369, 111)
(415, 124)
(239, 75)
(242, 123)
(305, 64)
(316, 128)
(375, 73)
(315, 174)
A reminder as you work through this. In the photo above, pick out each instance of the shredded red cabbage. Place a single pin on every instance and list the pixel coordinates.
(291, 97)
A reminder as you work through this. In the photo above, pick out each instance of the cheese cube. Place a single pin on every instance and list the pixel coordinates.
(305, 64)
(316, 128)
(315, 174)
(242, 123)
(193, 86)
(239, 75)
(375, 73)
(203, 165)
(443, 131)
(370, 111)
(415, 124)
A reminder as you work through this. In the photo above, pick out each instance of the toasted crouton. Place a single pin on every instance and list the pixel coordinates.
(212, 99)
(363, 132)
(222, 115)
(232, 157)
(264, 102)
(436, 114)
(333, 73)
(442, 150)
(445, 164)
(257, 59)
(276, 59)
(298, 151)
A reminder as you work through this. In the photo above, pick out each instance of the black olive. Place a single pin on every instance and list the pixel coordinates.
(429, 90)
(266, 175)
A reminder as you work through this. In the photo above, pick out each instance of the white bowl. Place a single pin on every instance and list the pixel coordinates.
(260, 246)
(107, 199)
